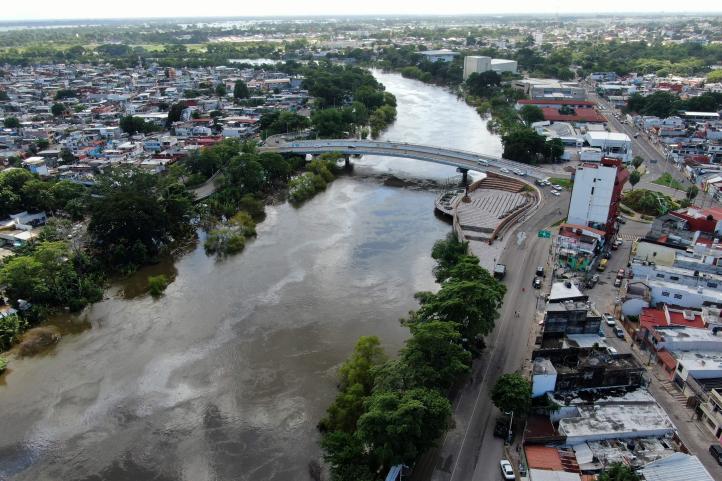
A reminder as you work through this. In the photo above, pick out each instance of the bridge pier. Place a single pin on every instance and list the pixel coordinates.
(465, 182)
(346, 161)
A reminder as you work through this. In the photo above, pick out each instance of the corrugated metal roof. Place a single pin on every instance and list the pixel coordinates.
(677, 467)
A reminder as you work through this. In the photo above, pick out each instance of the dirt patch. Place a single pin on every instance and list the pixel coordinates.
(38, 340)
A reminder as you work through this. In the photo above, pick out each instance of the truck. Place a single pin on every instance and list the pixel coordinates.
(499, 271)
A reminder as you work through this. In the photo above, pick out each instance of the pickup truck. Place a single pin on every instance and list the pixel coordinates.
(499, 271)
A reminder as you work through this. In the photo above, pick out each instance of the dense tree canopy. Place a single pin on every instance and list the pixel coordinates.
(512, 392)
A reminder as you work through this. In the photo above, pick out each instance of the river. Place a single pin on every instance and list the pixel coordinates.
(226, 376)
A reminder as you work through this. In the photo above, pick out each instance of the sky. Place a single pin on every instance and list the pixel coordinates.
(81, 9)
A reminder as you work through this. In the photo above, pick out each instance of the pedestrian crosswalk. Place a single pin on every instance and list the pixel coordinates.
(628, 237)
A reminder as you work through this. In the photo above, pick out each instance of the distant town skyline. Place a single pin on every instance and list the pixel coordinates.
(86, 9)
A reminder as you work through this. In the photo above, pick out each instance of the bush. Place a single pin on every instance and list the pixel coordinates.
(157, 285)
(3, 364)
(649, 203)
(10, 329)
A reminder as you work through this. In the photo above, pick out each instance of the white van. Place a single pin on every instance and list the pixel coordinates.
(483, 162)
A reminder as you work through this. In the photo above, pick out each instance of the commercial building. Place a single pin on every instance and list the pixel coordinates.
(476, 64)
(608, 144)
(550, 89)
(574, 369)
(442, 55)
(503, 65)
(596, 195)
(570, 317)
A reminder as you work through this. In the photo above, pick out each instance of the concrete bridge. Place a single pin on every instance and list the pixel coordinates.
(461, 159)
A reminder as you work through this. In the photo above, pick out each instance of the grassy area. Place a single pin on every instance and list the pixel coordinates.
(669, 181)
(566, 183)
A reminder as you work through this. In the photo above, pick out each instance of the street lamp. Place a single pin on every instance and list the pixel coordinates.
(511, 420)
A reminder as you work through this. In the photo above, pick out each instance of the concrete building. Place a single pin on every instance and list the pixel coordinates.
(711, 413)
(503, 65)
(550, 89)
(615, 421)
(596, 195)
(569, 317)
(476, 64)
(611, 144)
(442, 55)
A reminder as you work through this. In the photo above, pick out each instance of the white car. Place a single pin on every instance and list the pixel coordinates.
(506, 470)
(612, 351)
(555, 192)
(557, 186)
(482, 162)
(609, 319)
(504, 170)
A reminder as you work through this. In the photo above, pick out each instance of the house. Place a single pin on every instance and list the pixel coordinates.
(612, 144)
(676, 467)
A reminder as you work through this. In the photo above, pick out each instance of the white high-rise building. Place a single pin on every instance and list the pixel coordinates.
(476, 63)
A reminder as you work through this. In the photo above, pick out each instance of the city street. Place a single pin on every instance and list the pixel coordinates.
(470, 451)
(692, 433)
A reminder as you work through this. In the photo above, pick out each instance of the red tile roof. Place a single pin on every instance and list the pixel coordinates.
(543, 457)
(555, 102)
(579, 115)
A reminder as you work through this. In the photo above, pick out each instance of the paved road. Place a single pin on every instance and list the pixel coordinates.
(643, 147)
(470, 451)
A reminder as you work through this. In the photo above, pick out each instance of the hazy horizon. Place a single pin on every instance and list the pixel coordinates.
(78, 10)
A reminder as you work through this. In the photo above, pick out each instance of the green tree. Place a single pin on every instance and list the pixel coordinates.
(618, 472)
(175, 112)
(11, 123)
(65, 94)
(240, 90)
(512, 392)
(472, 304)
(634, 178)
(58, 109)
(133, 125)
(4, 96)
(221, 90)
(692, 192)
(435, 356)
(523, 145)
(483, 84)
(135, 216)
(530, 114)
(637, 161)
(714, 76)
(66, 156)
(446, 253)
(347, 458)
(398, 426)
(356, 380)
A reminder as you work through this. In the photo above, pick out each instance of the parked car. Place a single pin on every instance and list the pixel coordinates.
(609, 319)
(504, 170)
(620, 273)
(557, 186)
(483, 162)
(555, 192)
(607, 255)
(621, 220)
(612, 351)
(716, 451)
(602, 265)
(618, 282)
(537, 283)
(619, 332)
(540, 271)
(506, 470)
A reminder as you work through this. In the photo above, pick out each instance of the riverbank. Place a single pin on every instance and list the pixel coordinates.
(240, 355)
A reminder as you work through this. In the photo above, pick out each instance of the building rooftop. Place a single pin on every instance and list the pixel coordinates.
(565, 290)
(605, 421)
(608, 136)
(685, 334)
(677, 467)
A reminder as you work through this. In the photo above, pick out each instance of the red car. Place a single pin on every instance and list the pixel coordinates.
(620, 274)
